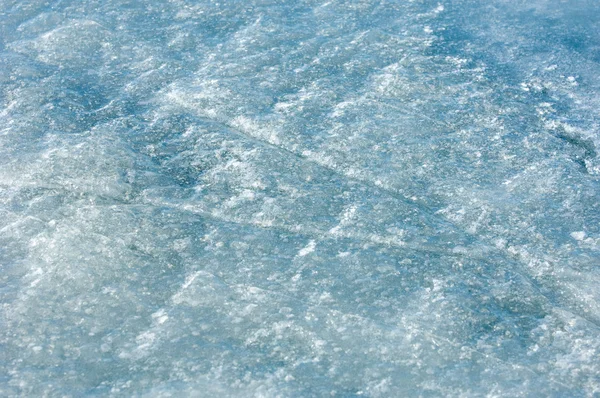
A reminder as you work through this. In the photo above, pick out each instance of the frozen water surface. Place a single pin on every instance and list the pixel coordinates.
(300, 198)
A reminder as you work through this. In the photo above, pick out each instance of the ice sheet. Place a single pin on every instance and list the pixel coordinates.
(299, 198)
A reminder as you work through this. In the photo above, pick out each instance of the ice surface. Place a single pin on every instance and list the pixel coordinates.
(300, 198)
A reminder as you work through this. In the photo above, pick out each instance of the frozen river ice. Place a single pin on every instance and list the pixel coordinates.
(266, 198)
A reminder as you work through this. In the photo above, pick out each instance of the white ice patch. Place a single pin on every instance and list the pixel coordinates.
(308, 249)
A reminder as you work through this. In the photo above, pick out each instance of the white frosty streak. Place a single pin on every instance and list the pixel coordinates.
(308, 249)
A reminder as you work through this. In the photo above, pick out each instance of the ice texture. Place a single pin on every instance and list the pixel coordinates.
(300, 198)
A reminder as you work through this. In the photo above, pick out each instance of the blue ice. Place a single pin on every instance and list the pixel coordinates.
(265, 198)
